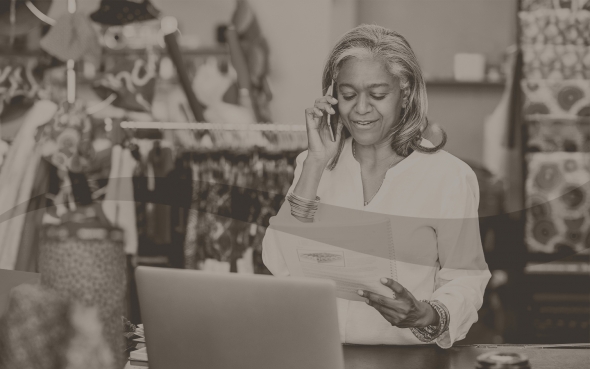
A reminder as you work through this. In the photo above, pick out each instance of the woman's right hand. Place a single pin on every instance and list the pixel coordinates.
(320, 145)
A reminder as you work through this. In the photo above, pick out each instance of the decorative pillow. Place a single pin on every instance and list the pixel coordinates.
(557, 27)
(557, 202)
(550, 135)
(532, 5)
(564, 99)
(556, 62)
(132, 78)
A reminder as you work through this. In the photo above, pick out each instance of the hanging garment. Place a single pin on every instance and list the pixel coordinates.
(561, 99)
(499, 157)
(119, 205)
(73, 37)
(550, 135)
(121, 12)
(562, 27)
(234, 196)
(558, 202)
(16, 181)
(132, 78)
(496, 128)
(28, 250)
(532, 5)
(556, 62)
(190, 240)
(179, 189)
(256, 52)
(19, 86)
(159, 223)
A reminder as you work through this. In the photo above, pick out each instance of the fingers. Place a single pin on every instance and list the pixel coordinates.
(394, 286)
(375, 298)
(392, 316)
(326, 99)
(325, 104)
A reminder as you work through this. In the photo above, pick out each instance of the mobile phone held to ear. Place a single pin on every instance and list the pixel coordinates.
(332, 119)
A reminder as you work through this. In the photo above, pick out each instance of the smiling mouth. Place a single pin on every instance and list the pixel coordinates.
(363, 122)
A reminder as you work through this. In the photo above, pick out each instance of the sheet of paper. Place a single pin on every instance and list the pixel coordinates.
(355, 256)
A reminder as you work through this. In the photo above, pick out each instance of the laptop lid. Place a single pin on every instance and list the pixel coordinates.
(195, 319)
(10, 279)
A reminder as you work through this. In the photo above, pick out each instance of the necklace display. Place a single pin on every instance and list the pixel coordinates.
(384, 174)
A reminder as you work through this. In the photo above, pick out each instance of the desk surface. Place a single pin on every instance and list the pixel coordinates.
(460, 357)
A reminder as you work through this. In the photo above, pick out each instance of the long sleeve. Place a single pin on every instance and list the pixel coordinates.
(271, 253)
(463, 275)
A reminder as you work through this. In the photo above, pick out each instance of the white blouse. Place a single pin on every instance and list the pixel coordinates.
(432, 201)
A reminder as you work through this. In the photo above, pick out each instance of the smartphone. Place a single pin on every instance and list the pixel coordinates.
(332, 119)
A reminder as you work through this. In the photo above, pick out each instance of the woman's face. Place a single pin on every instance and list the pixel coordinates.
(369, 100)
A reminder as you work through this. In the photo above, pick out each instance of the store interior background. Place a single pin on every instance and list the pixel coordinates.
(300, 34)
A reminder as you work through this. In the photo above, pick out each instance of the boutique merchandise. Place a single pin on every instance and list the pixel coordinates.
(555, 27)
(561, 99)
(558, 203)
(551, 135)
(556, 108)
(241, 191)
(16, 180)
(83, 259)
(556, 62)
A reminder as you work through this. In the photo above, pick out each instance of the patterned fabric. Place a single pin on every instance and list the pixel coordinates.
(562, 99)
(132, 77)
(66, 140)
(549, 135)
(85, 261)
(532, 5)
(558, 205)
(20, 80)
(556, 62)
(562, 27)
(234, 196)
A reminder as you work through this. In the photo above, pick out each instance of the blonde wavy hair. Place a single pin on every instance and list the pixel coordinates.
(394, 50)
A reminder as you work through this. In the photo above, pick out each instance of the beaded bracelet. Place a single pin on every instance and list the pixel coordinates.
(302, 207)
(432, 332)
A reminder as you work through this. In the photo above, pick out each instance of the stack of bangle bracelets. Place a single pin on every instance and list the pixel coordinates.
(432, 332)
(302, 207)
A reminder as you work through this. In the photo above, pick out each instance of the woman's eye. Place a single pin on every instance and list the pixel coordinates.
(378, 97)
(348, 97)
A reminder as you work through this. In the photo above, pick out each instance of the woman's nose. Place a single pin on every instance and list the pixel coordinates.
(363, 106)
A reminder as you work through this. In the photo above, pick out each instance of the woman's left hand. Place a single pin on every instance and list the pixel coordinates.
(404, 310)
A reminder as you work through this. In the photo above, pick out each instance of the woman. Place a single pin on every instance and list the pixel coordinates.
(381, 164)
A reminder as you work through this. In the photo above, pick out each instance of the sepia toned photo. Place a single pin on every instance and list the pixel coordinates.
(314, 184)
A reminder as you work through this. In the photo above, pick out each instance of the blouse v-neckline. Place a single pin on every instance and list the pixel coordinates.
(355, 167)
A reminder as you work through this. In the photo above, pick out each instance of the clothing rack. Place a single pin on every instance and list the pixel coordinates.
(214, 126)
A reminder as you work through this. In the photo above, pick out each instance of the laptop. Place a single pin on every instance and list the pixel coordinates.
(10, 279)
(195, 319)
